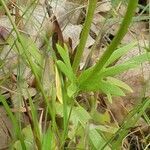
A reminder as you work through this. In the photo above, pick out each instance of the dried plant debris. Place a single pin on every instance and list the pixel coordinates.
(42, 25)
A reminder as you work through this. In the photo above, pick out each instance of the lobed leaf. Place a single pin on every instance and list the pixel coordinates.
(120, 52)
(119, 83)
(64, 55)
(63, 67)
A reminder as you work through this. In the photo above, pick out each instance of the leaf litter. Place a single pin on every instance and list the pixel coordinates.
(69, 19)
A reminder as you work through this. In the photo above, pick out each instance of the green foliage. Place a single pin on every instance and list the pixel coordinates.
(128, 123)
(28, 139)
(103, 80)
(48, 141)
(88, 127)
(115, 42)
(80, 117)
(65, 67)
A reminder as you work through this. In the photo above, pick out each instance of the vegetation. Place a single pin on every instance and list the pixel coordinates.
(63, 114)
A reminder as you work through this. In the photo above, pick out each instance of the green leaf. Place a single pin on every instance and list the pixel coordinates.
(17, 145)
(28, 135)
(105, 128)
(28, 139)
(65, 55)
(119, 83)
(95, 83)
(116, 70)
(100, 118)
(48, 141)
(140, 59)
(131, 63)
(68, 73)
(97, 139)
(82, 115)
(72, 89)
(120, 52)
(103, 86)
(84, 75)
(109, 97)
(109, 88)
(92, 85)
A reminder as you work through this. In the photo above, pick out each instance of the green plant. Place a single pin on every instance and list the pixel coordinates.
(69, 84)
(101, 74)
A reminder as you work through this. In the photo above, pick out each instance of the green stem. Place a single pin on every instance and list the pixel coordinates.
(84, 34)
(31, 64)
(132, 118)
(116, 41)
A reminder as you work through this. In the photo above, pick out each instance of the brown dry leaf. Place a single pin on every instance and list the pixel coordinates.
(34, 21)
(97, 23)
(66, 12)
(5, 129)
(32, 92)
(118, 110)
(73, 32)
(17, 97)
(103, 6)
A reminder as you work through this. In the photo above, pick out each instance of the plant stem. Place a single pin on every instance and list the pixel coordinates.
(127, 124)
(116, 41)
(84, 34)
(31, 64)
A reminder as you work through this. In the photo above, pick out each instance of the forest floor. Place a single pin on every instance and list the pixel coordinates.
(34, 23)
